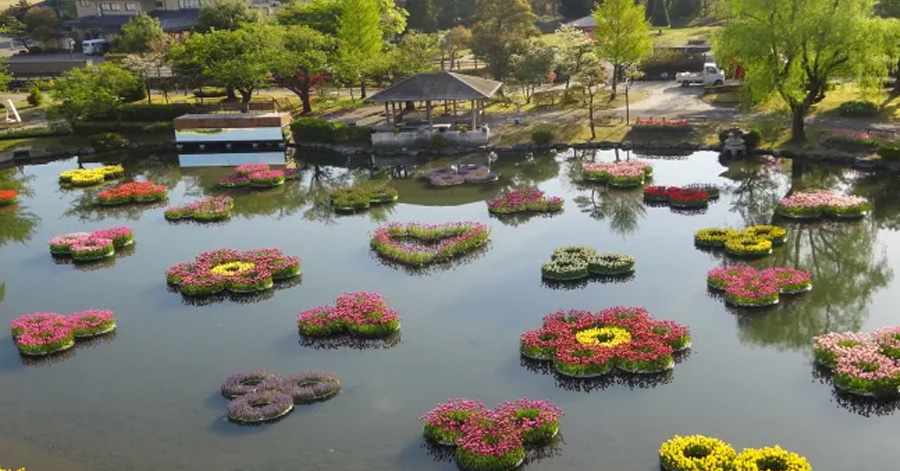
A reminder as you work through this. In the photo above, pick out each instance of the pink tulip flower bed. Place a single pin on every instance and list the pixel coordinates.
(746, 286)
(92, 246)
(262, 396)
(494, 440)
(238, 272)
(358, 314)
(258, 176)
(215, 208)
(864, 364)
(418, 245)
(521, 201)
(46, 333)
(627, 174)
(815, 204)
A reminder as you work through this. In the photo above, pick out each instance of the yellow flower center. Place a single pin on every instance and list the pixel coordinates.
(603, 336)
(232, 268)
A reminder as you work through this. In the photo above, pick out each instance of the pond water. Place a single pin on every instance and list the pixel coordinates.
(147, 398)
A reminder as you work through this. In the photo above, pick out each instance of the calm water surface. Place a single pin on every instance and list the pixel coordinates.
(147, 398)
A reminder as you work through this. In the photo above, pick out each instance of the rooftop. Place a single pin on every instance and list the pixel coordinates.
(438, 86)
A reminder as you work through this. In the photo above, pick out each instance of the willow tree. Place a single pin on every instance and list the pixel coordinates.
(798, 48)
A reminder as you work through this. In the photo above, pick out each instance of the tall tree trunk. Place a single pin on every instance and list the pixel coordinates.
(591, 116)
(304, 97)
(149, 99)
(614, 84)
(362, 89)
(798, 131)
(229, 92)
(896, 90)
(246, 95)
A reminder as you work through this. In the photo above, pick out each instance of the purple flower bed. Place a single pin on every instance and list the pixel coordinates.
(262, 396)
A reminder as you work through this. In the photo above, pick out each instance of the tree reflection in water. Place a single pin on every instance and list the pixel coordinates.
(623, 209)
(17, 224)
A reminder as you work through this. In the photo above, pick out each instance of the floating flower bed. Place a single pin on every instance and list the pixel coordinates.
(829, 347)
(359, 314)
(448, 176)
(8, 197)
(770, 459)
(696, 453)
(745, 286)
(577, 262)
(754, 241)
(46, 333)
(714, 237)
(491, 440)
(90, 177)
(863, 364)
(528, 200)
(677, 197)
(710, 189)
(775, 234)
(814, 204)
(262, 396)
(258, 176)
(267, 178)
(210, 209)
(132, 192)
(656, 194)
(92, 246)
(586, 345)
(238, 272)
(362, 196)
(440, 243)
(628, 174)
(748, 246)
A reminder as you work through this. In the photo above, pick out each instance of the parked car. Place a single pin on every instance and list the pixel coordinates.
(711, 75)
(95, 47)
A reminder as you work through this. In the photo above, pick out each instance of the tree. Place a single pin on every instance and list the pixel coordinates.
(502, 29)
(27, 24)
(304, 64)
(422, 15)
(455, 40)
(622, 36)
(572, 47)
(797, 48)
(5, 76)
(392, 18)
(455, 13)
(147, 66)
(138, 33)
(225, 15)
(359, 40)
(533, 66)
(323, 16)
(90, 91)
(412, 56)
(575, 8)
(659, 13)
(591, 75)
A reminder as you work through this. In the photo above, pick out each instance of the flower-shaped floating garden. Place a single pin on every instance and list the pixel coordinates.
(8, 197)
(361, 197)
(418, 245)
(90, 177)
(262, 396)
(92, 246)
(816, 204)
(754, 241)
(449, 176)
(133, 192)
(746, 286)
(494, 440)
(577, 262)
(229, 270)
(46, 333)
(258, 176)
(863, 364)
(679, 197)
(582, 344)
(525, 201)
(358, 314)
(702, 453)
(211, 209)
(628, 174)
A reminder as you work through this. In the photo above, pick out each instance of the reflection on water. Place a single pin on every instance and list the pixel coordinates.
(461, 321)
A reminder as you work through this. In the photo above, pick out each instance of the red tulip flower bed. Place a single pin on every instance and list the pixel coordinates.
(677, 197)
(7, 197)
(662, 125)
(132, 192)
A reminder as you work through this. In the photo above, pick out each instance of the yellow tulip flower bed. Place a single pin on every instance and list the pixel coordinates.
(702, 453)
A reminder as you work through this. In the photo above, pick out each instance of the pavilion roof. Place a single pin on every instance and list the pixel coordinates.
(438, 86)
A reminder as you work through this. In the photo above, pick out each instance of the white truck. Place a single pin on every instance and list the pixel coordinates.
(711, 75)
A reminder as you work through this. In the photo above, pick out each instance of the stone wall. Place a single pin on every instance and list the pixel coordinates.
(412, 138)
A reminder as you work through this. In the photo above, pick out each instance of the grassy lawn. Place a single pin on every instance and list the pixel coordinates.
(680, 36)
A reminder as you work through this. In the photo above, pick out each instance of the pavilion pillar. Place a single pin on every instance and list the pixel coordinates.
(428, 112)
(394, 113)
(474, 116)
(387, 114)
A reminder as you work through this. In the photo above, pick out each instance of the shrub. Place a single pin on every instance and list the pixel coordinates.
(35, 97)
(210, 92)
(889, 151)
(542, 136)
(160, 112)
(851, 141)
(858, 109)
(108, 141)
(160, 127)
(134, 94)
(320, 130)
(32, 132)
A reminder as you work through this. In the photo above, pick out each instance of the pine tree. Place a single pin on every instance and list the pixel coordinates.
(659, 13)
(360, 40)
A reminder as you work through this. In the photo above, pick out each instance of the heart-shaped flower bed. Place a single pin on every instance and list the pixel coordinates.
(418, 245)
(491, 440)
(746, 286)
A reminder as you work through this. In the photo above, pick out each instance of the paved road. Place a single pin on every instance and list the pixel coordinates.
(670, 100)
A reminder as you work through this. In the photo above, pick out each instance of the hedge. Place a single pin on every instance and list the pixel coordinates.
(542, 136)
(94, 127)
(320, 130)
(150, 113)
(851, 141)
(857, 109)
(27, 133)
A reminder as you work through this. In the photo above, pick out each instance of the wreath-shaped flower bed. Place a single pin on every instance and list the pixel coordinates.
(91, 246)
(702, 453)
(132, 192)
(815, 204)
(440, 243)
(628, 174)
(863, 364)
(90, 177)
(238, 272)
(258, 176)
(577, 262)
(746, 286)
(262, 396)
(46, 333)
(210, 209)
(361, 197)
(8, 197)
(491, 440)
(770, 459)
(586, 345)
(527, 200)
(448, 176)
(754, 241)
(358, 314)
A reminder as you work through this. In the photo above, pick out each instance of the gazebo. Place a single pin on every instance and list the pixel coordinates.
(436, 86)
